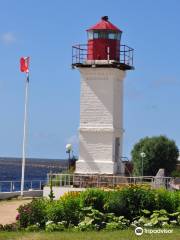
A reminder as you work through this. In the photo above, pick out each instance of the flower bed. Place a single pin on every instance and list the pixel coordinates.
(96, 209)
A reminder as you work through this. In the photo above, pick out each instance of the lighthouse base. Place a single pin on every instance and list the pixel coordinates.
(98, 180)
(96, 167)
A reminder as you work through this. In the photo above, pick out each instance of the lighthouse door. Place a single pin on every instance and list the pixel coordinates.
(117, 148)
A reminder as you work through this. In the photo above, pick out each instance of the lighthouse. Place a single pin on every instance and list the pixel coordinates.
(102, 64)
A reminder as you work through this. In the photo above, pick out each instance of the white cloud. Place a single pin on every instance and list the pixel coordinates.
(8, 38)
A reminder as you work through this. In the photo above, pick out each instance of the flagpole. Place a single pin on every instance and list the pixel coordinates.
(24, 134)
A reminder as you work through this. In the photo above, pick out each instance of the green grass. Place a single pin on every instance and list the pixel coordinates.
(119, 235)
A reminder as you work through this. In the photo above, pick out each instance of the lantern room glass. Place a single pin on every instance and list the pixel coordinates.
(104, 35)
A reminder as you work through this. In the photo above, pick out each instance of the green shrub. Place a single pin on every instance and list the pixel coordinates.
(97, 209)
(158, 218)
(115, 223)
(168, 200)
(96, 220)
(130, 201)
(66, 209)
(51, 194)
(175, 173)
(33, 213)
(54, 211)
(52, 227)
(93, 219)
(93, 197)
(71, 209)
(33, 228)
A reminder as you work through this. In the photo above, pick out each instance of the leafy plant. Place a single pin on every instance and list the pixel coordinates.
(71, 209)
(116, 223)
(51, 227)
(55, 211)
(129, 201)
(95, 198)
(168, 200)
(175, 173)
(158, 218)
(51, 194)
(32, 213)
(93, 219)
(33, 228)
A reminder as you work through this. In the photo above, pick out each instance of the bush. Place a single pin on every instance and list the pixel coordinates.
(52, 227)
(130, 201)
(71, 209)
(33, 213)
(95, 209)
(93, 219)
(33, 228)
(96, 198)
(54, 211)
(157, 218)
(116, 223)
(67, 208)
(170, 201)
(175, 173)
(96, 220)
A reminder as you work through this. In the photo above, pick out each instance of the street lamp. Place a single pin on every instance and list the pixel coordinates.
(68, 151)
(143, 155)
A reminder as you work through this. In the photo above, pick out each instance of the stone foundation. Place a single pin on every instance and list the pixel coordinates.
(98, 180)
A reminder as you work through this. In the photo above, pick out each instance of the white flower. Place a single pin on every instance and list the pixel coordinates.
(49, 222)
(173, 222)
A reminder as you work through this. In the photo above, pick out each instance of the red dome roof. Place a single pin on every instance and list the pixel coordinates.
(104, 24)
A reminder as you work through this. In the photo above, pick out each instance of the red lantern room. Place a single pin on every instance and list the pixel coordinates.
(103, 49)
(103, 41)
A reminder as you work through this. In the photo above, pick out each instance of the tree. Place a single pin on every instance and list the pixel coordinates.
(160, 152)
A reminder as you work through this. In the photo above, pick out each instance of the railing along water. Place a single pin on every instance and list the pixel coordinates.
(14, 186)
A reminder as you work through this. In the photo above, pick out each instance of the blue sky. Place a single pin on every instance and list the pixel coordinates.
(45, 31)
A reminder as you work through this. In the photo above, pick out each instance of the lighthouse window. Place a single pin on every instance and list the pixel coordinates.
(118, 36)
(90, 35)
(96, 35)
(102, 34)
(112, 35)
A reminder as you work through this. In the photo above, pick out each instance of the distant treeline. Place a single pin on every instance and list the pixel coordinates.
(34, 162)
(35, 168)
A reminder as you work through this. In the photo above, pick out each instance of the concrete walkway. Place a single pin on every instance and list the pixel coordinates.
(8, 210)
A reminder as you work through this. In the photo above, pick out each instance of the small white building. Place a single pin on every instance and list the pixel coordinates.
(102, 64)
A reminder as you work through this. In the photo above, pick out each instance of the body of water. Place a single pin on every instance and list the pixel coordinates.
(35, 169)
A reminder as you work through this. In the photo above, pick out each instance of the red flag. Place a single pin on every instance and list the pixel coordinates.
(24, 64)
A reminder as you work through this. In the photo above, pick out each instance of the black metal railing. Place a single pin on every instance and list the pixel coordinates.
(80, 56)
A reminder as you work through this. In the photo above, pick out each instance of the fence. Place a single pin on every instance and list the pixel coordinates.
(14, 186)
(80, 55)
(88, 181)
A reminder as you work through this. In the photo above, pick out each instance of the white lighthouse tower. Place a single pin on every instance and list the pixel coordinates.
(102, 63)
